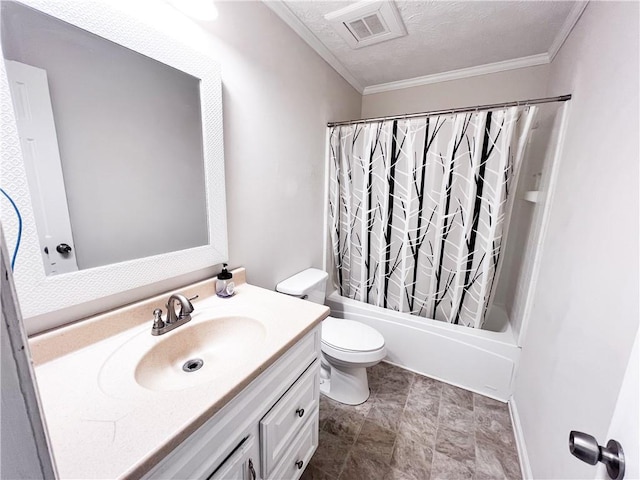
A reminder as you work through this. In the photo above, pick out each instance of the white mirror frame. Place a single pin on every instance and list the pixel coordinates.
(39, 294)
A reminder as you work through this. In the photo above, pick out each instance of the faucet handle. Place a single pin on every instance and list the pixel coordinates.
(186, 308)
(158, 323)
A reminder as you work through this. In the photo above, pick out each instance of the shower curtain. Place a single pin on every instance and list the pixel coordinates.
(419, 209)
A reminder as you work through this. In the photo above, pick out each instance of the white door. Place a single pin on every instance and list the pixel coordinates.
(24, 442)
(626, 420)
(37, 131)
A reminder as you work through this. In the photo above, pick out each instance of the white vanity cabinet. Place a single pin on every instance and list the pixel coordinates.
(268, 431)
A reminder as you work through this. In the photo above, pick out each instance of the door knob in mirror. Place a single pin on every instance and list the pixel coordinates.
(63, 249)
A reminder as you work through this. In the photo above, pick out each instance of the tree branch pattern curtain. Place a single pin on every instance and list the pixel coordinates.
(419, 209)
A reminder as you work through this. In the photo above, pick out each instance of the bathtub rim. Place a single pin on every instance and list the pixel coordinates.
(351, 306)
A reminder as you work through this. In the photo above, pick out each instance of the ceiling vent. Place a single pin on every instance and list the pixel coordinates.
(368, 22)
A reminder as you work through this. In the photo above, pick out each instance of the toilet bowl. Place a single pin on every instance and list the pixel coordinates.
(348, 347)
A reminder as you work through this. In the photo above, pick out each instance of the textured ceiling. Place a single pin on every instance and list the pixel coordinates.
(442, 36)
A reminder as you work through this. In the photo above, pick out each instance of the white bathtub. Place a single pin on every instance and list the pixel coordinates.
(483, 361)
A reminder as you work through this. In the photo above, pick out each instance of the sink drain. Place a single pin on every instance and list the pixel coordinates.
(192, 365)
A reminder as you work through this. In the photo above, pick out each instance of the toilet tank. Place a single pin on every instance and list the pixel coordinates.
(310, 284)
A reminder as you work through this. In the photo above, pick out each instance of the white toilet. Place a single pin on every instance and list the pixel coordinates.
(348, 347)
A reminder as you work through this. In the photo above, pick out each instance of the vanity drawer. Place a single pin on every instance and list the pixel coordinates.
(293, 411)
(299, 453)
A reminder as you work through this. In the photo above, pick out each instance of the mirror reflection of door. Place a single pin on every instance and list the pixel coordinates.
(37, 130)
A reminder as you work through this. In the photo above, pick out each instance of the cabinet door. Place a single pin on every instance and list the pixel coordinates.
(288, 417)
(242, 464)
(297, 456)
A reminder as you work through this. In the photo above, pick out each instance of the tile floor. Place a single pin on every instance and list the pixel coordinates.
(414, 428)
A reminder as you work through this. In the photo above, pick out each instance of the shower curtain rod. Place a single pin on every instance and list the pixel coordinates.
(534, 101)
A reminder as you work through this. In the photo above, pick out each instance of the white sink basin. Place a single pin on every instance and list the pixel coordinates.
(218, 343)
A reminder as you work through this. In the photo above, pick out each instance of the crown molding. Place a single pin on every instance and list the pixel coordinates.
(285, 13)
(567, 26)
(496, 67)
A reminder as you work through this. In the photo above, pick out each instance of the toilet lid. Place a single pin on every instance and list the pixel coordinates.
(350, 335)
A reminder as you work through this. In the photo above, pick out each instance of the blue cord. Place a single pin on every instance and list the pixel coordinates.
(15, 207)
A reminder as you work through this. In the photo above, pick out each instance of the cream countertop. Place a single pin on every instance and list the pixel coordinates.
(103, 428)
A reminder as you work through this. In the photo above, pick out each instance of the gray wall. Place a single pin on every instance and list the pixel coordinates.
(278, 95)
(585, 309)
(131, 191)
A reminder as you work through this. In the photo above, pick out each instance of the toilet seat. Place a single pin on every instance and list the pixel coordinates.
(351, 341)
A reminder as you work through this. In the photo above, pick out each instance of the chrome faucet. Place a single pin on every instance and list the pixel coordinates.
(186, 309)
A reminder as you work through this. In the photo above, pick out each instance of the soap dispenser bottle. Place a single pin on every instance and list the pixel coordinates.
(224, 283)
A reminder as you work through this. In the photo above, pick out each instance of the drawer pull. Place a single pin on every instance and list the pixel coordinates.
(252, 470)
(299, 464)
(300, 412)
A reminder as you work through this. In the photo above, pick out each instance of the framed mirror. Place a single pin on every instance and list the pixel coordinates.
(114, 155)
